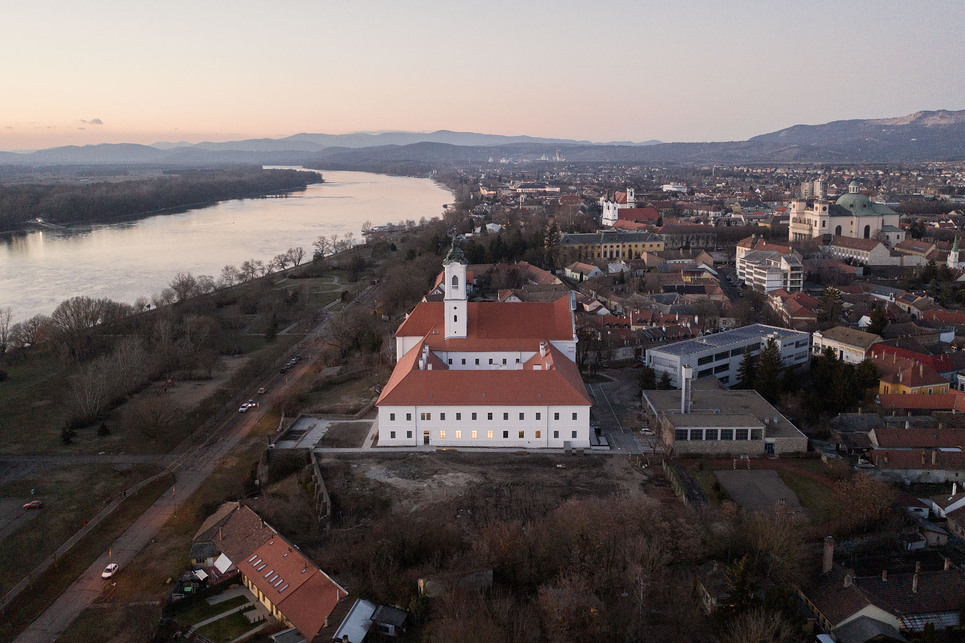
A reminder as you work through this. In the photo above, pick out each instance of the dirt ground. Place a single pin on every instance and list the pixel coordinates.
(417, 480)
(186, 394)
(757, 489)
(346, 435)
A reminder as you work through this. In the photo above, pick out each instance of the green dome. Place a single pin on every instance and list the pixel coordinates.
(856, 202)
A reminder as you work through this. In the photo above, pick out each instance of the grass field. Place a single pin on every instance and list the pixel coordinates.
(820, 501)
(44, 590)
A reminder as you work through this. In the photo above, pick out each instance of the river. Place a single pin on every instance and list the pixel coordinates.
(40, 269)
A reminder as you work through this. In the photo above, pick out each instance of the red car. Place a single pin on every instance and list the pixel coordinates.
(34, 504)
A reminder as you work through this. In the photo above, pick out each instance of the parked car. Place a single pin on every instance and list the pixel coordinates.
(261, 390)
(243, 408)
(34, 504)
(109, 571)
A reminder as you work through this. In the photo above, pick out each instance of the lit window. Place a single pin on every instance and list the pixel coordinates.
(474, 435)
(425, 416)
(538, 434)
(442, 435)
(458, 435)
(522, 434)
(489, 434)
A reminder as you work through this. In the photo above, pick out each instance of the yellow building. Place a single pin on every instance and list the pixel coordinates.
(917, 379)
(610, 244)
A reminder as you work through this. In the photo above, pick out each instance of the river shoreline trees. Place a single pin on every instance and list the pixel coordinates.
(115, 201)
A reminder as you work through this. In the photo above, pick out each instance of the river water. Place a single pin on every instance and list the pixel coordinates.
(40, 269)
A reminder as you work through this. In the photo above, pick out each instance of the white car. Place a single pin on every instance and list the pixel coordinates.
(243, 408)
(109, 571)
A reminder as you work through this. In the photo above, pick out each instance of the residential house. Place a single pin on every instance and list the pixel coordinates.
(848, 344)
(580, 272)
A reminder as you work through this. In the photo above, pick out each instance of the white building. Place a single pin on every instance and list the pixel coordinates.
(720, 354)
(611, 208)
(767, 270)
(852, 215)
(491, 374)
(849, 345)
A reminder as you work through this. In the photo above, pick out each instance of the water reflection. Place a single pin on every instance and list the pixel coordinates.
(39, 269)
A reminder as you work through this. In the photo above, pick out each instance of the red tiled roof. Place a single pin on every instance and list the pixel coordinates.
(493, 324)
(559, 384)
(300, 591)
(942, 402)
(915, 376)
(638, 214)
(620, 224)
(945, 316)
(855, 244)
(886, 437)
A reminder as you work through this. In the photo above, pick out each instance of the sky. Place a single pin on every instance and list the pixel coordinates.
(102, 71)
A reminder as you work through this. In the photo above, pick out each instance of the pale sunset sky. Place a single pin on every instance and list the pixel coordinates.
(142, 72)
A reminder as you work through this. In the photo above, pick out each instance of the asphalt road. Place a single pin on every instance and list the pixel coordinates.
(191, 469)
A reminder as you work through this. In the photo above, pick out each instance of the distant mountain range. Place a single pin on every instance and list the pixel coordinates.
(923, 136)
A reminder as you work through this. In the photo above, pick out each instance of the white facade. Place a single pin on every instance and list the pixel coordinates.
(853, 215)
(611, 209)
(720, 354)
(768, 270)
(485, 374)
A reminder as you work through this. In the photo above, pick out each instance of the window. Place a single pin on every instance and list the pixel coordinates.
(757, 434)
(442, 434)
(408, 417)
(727, 434)
(696, 434)
(474, 435)
(574, 416)
(408, 434)
(425, 416)
(556, 435)
(710, 434)
(450, 361)
(490, 360)
(522, 434)
(489, 416)
(740, 434)
(489, 434)
(538, 434)
(574, 435)
(455, 318)
(391, 417)
(463, 361)
(504, 361)
(442, 416)
(556, 416)
(392, 434)
(477, 361)
(538, 415)
(458, 435)
(458, 416)
(505, 416)
(680, 435)
(505, 434)
(473, 416)
(522, 416)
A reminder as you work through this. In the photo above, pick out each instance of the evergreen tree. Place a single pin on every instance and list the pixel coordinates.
(648, 379)
(867, 375)
(766, 380)
(664, 383)
(747, 371)
(878, 320)
(831, 305)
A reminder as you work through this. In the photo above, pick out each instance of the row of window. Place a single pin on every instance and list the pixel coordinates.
(489, 416)
(694, 435)
(489, 434)
(491, 360)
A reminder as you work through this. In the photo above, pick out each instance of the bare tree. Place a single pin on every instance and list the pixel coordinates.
(184, 285)
(296, 254)
(206, 284)
(151, 416)
(229, 276)
(759, 625)
(33, 331)
(322, 247)
(141, 303)
(6, 327)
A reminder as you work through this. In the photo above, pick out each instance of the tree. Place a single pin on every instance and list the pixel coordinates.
(6, 328)
(878, 320)
(648, 379)
(832, 303)
(229, 276)
(867, 374)
(747, 372)
(150, 416)
(295, 255)
(664, 384)
(322, 247)
(767, 377)
(184, 285)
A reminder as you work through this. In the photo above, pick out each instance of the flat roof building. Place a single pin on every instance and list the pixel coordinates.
(720, 354)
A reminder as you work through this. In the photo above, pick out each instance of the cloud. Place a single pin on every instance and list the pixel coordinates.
(93, 121)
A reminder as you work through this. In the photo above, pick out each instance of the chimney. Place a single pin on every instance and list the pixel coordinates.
(954, 488)
(848, 579)
(948, 563)
(828, 559)
(220, 535)
(686, 373)
(542, 349)
(914, 583)
(884, 575)
(917, 566)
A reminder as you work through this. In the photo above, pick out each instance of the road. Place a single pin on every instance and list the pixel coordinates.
(191, 469)
(14, 467)
(616, 410)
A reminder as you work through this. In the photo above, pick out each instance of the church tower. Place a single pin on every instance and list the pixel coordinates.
(456, 299)
(953, 261)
